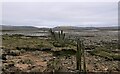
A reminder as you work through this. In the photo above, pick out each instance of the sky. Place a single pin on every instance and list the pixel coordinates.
(52, 14)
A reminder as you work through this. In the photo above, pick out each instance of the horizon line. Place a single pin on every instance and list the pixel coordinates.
(59, 26)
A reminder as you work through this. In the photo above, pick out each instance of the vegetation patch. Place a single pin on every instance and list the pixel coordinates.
(64, 52)
(17, 42)
(106, 54)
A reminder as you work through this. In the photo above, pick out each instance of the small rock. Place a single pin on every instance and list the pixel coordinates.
(106, 69)
(14, 52)
(22, 66)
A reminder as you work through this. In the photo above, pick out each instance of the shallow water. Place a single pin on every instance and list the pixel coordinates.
(27, 33)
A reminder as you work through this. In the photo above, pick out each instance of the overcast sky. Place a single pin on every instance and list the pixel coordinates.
(51, 14)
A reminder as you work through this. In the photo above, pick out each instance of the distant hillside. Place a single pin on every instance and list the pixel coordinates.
(73, 28)
(84, 28)
(108, 28)
(18, 27)
(44, 29)
(65, 28)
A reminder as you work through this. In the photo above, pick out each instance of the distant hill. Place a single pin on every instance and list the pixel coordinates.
(84, 28)
(18, 27)
(73, 28)
(108, 28)
(65, 28)
(44, 29)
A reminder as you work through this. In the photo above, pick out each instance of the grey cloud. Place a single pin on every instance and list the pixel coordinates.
(52, 14)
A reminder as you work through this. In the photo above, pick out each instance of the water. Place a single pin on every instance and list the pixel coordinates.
(26, 33)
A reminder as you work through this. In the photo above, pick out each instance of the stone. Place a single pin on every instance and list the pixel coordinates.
(22, 66)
